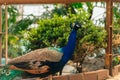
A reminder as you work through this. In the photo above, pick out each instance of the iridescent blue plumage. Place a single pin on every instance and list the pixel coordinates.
(68, 50)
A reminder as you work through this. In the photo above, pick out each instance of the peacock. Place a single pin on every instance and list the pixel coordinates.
(41, 62)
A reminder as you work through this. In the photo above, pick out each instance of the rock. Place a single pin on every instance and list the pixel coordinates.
(68, 69)
(93, 64)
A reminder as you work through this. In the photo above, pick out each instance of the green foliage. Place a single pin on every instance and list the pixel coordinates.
(12, 13)
(67, 9)
(93, 35)
(116, 19)
(77, 5)
(116, 27)
(15, 36)
(22, 24)
(52, 31)
(59, 9)
(90, 6)
(91, 39)
(115, 61)
(116, 12)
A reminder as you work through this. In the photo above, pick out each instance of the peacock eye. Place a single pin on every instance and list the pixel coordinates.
(3, 71)
(7, 73)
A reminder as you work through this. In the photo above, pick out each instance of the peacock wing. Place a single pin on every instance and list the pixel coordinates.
(39, 55)
(36, 59)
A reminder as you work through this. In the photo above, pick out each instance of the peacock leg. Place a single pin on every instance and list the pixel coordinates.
(50, 77)
(60, 73)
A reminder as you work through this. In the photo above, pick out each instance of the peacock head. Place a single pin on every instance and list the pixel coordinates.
(77, 25)
(7, 74)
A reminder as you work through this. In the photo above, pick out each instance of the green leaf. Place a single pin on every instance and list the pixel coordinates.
(77, 5)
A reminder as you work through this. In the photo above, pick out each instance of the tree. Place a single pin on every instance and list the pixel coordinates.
(91, 40)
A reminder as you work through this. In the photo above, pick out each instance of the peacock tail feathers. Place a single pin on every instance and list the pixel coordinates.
(9, 74)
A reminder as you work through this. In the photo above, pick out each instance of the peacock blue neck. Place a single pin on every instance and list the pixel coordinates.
(68, 50)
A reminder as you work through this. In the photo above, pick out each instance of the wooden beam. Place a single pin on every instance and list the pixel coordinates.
(109, 18)
(0, 33)
(6, 34)
(116, 0)
(44, 1)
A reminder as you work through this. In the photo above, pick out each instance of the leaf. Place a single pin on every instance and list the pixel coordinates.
(77, 5)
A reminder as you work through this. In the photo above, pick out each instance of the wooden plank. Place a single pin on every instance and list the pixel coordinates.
(0, 33)
(116, 0)
(44, 1)
(109, 18)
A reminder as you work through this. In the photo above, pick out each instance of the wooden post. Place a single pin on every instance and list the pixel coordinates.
(6, 34)
(0, 33)
(44, 1)
(109, 15)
